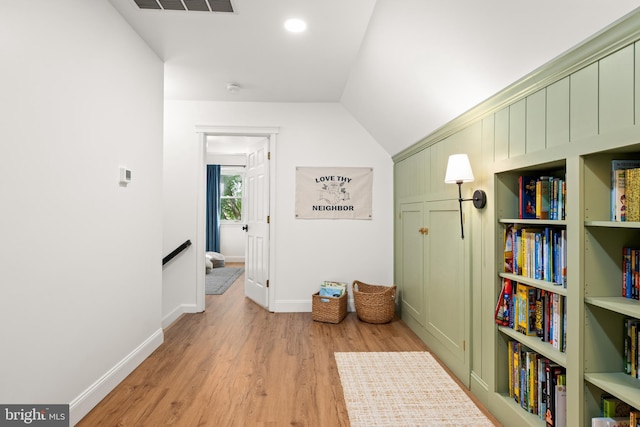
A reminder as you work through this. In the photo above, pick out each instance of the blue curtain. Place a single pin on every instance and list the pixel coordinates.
(213, 208)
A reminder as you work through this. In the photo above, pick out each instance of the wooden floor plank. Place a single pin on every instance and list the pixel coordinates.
(238, 365)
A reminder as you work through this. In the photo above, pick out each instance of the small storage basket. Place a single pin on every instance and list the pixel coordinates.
(328, 309)
(374, 303)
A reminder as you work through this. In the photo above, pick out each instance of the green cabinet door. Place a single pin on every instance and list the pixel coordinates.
(411, 260)
(446, 286)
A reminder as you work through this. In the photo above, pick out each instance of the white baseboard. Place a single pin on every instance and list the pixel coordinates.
(88, 399)
(177, 312)
(233, 258)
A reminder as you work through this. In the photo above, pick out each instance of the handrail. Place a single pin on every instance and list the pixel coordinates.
(179, 249)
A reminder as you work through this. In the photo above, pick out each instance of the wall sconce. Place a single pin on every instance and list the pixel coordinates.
(459, 171)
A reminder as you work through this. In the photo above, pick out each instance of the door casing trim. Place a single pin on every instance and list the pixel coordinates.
(211, 130)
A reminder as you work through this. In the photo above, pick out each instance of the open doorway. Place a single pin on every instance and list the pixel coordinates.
(230, 153)
(251, 151)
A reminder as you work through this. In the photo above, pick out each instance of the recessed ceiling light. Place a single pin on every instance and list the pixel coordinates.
(295, 25)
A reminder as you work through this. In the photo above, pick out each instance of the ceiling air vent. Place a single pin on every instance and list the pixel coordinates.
(187, 5)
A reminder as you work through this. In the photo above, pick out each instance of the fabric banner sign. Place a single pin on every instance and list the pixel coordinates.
(334, 193)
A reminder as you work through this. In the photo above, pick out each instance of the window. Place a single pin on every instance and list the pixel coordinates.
(231, 182)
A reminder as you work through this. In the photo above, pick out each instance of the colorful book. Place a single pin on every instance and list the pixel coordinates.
(557, 320)
(552, 372)
(526, 300)
(626, 355)
(503, 306)
(632, 194)
(527, 197)
(508, 249)
(542, 387)
(510, 350)
(633, 336)
(618, 186)
(540, 313)
(542, 197)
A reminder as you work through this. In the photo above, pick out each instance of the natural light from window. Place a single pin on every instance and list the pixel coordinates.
(231, 183)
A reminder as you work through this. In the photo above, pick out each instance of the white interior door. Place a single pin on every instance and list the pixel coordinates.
(257, 224)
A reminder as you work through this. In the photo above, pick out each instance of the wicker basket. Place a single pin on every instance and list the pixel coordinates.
(374, 303)
(328, 309)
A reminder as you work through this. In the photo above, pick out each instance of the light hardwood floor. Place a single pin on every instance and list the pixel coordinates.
(238, 365)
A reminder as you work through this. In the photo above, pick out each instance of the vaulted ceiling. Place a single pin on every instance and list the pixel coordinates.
(403, 68)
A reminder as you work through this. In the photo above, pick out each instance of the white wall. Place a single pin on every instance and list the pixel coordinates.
(307, 251)
(80, 270)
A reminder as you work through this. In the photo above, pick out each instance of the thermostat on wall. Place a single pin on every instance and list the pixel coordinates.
(125, 175)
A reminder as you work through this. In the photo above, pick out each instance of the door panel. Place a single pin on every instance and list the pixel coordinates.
(257, 212)
(447, 302)
(412, 258)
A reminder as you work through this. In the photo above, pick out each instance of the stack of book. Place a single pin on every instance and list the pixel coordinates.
(541, 197)
(537, 384)
(540, 313)
(625, 190)
(539, 253)
(332, 289)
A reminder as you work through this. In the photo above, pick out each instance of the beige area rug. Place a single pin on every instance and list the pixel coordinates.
(403, 389)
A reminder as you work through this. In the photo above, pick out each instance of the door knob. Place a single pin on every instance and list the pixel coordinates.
(245, 227)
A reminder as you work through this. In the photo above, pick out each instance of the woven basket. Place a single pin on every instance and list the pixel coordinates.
(328, 309)
(374, 303)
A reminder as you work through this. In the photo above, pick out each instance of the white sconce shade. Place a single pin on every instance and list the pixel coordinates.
(458, 169)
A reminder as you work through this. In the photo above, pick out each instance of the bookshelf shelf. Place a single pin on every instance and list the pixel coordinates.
(540, 284)
(612, 224)
(618, 384)
(535, 344)
(547, 222)
(625, 306)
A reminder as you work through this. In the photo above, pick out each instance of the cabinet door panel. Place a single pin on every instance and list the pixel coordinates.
(446, 293)
(411, 261)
